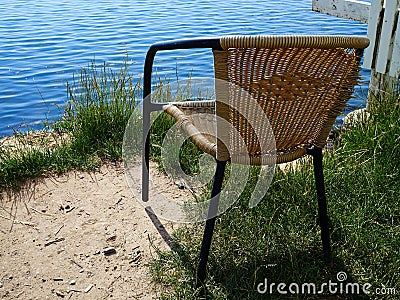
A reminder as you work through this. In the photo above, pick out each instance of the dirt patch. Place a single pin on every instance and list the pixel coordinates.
(79, 236)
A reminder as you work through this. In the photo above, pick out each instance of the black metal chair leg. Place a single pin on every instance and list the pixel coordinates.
(145, 156)
(322, 206)
(212, 212)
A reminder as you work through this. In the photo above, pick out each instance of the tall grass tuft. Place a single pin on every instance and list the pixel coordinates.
(99, 106)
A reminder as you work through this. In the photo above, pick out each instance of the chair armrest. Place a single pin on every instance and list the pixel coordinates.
(212, 43)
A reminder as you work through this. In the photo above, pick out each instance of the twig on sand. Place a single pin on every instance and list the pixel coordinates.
(59, 229)
(40, 212)
(76, 263)
(54, 241)
(18, 222)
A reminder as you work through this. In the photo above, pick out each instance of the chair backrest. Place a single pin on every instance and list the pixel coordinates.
(302, 83)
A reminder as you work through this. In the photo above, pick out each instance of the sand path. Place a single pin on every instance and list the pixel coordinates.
(79, 236)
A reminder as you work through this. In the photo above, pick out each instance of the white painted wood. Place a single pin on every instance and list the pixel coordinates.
(395, 64)
(373, 21)
(383, 54)
(386, 42)
(348, 9)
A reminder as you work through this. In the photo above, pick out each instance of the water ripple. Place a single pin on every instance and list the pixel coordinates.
(44, 42)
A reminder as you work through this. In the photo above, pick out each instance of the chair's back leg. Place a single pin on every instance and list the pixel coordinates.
(212, 213)
(322, 206)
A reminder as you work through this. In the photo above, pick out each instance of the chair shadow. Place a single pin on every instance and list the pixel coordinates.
(265, 277)
(168, 239)
(162, 230)
(287, 269)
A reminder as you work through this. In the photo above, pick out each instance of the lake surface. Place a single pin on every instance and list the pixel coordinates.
(43, 43)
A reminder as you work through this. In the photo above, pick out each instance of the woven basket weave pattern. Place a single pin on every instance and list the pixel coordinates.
(300, 90)
(301, 83)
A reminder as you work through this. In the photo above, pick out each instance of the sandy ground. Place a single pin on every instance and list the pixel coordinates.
(79, 236)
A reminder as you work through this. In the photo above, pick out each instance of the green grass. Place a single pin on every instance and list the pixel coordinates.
(279, 239)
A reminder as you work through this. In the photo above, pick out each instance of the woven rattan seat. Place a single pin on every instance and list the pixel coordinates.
(301, 83)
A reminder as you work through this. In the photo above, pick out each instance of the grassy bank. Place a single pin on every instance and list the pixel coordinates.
(100, 102)
(279, 240)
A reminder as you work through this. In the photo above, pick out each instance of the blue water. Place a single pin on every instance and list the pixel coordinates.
(43, 42)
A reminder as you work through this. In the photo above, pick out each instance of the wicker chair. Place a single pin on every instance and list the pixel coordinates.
(302, 84)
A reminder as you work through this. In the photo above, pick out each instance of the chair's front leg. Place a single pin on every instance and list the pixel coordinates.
(322, 206)
(145, 155)
(212, 215)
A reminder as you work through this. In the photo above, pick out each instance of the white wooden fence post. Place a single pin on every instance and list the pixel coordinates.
(383, 54)
(382, 57)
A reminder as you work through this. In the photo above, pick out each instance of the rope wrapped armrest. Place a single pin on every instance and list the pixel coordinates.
(185, 123)
(294, 41)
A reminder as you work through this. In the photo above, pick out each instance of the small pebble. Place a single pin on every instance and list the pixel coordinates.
(109, 251)
(58, 279)
(72, 282)
(81, 271)
(112, 238)
(180, 184)
(69, 209)
(88, 288)
(61, 294)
